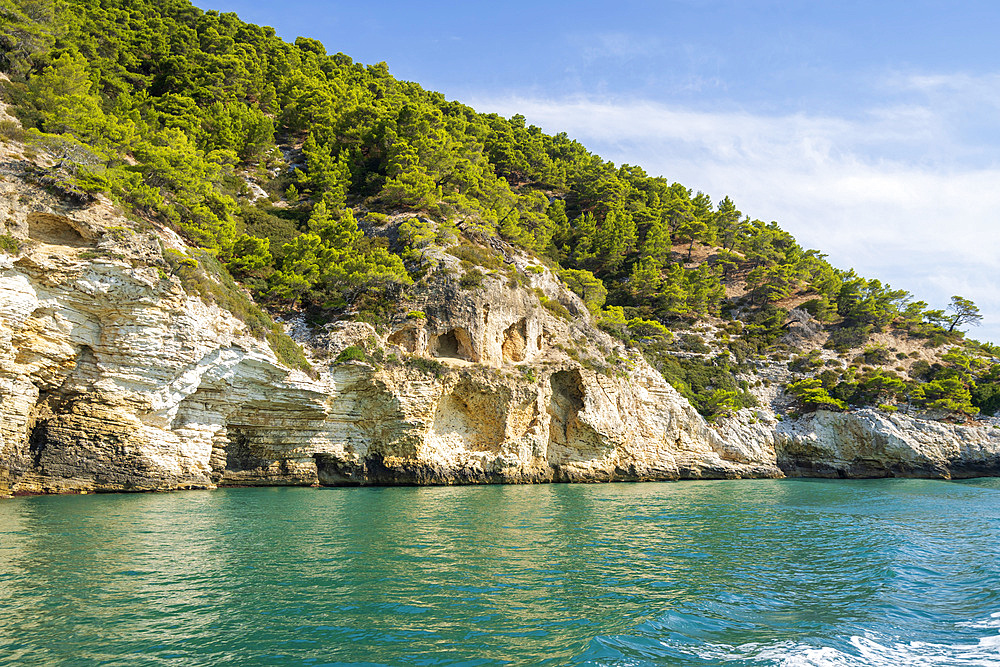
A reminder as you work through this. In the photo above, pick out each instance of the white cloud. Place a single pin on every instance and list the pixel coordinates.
(885, 191)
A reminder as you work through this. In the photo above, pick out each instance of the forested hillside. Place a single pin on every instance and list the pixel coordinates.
(182, 116)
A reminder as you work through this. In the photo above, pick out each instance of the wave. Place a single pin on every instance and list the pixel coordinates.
(867, 650)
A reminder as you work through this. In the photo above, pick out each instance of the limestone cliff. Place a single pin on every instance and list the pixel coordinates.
(114, 378)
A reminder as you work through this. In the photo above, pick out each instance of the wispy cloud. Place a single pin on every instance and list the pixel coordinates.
(982, 88)
(886, 190)
(617, 45)
(618, 56)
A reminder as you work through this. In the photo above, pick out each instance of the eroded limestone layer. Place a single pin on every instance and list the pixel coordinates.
(113, 378)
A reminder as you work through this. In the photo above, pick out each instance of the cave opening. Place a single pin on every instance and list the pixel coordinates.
(454, 344)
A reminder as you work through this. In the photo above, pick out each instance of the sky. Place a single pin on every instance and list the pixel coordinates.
(869, 130)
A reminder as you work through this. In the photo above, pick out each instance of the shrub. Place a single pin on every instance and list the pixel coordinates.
(472, 279)
(203, 276)
(351, 353)
(12, 130)
(287, 350)
(876, 354)
(555, 308)
(586, 286)
(693, 343)
(811, 396)
(949, 395)
(10, 244)
(806, 363)
(821, 309)
(709, 384)
(476, 256)
(648, 331)
(921, 370)
(844, 338)
(428, 366)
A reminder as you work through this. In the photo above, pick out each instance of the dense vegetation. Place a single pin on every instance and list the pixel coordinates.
(174, 111)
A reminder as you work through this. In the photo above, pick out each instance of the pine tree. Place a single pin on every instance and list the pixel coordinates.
(64, 97)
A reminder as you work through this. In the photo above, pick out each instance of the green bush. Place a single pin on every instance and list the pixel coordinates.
(806, 363)
(648, 331)
(876, 355)
(555, 308)
(844, 338)
(287, 350)
(821, 309)
(585, 286)
(204, 276)
(428, 366)
(351, 353)
(810, 395)
(477, 256)
(690, 342)
(10, 244)
(949, 395)
(709, 384)
(472, 279)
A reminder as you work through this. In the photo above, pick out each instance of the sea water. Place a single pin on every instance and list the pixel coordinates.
(765, 572)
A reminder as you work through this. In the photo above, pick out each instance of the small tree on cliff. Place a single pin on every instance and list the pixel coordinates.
(949, 395)
(811, 396)
(963, 311)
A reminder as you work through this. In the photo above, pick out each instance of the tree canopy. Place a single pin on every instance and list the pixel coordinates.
(179, 111)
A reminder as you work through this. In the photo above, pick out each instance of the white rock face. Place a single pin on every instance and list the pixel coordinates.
(867, 443)
(113, 378)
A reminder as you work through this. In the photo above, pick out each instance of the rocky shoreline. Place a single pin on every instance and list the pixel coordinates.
(113, 377)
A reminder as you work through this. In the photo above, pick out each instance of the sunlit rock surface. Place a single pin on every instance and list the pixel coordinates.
(113, 378)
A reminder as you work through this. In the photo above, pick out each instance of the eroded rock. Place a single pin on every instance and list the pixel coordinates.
(112, 378)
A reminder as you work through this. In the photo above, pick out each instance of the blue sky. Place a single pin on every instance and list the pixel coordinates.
(869, 130)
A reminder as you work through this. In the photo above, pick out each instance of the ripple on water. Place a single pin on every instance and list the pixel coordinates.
(767, 572)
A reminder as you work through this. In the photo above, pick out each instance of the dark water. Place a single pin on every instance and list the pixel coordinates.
(896, 572)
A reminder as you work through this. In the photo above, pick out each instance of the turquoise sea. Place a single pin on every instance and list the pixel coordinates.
(767, 572)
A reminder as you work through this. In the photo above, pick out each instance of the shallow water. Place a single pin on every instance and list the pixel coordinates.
(766, 572)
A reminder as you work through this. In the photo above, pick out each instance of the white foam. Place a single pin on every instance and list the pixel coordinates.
(866, 651)
(993, 622)
(813, 657)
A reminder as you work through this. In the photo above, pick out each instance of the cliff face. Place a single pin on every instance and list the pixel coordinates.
(113, 378)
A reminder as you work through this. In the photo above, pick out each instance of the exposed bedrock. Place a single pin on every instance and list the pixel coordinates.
(871, 444)
(112, 378)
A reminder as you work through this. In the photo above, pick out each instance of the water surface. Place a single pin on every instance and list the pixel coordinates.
(765, 572)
